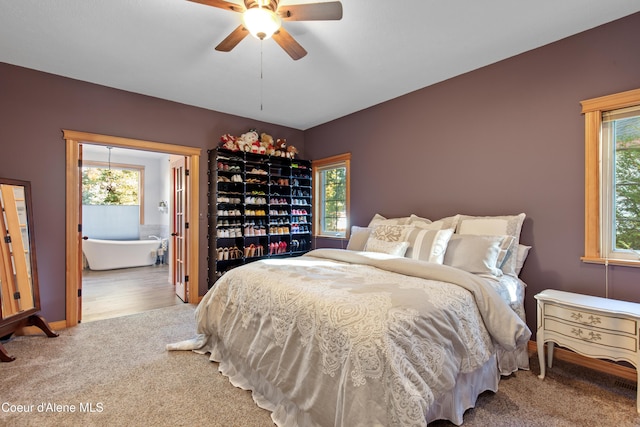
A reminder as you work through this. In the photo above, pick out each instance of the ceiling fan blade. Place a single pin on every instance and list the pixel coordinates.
(330, 11)
(288, 43)
(221, 4)
(233, 39)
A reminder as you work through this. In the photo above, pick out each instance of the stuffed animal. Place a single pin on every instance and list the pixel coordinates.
(228, 142)
(255, 147)
(266, 141)
(280, 147)
(246, 140)
(291, 151)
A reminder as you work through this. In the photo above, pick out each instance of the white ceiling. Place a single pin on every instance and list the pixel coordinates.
(378, 51)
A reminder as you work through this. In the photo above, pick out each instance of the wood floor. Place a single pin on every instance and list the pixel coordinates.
(114, 293)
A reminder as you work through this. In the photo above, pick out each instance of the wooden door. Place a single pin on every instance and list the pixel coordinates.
(180, 228)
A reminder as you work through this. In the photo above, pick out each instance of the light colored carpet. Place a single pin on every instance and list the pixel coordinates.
(120, 367)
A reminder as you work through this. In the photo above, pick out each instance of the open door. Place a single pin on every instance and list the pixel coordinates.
(179, 228)
(73, 242)
(79, 260)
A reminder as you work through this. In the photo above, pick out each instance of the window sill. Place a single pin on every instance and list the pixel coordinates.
(603, 261)
(330, 236)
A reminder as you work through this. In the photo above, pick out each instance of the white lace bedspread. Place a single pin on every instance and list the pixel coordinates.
(352, 339)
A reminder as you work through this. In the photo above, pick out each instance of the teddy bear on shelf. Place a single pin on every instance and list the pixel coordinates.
(266, 141)
(280, 147)
(246, 141)
(291, 151)
(228, 142)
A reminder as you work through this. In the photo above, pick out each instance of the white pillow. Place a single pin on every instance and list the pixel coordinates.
(441, 224)
(506, 250)
(391, 248)
(425, 245)
(358, 238)
(510, 225)
(379, 220)
(413, 219)
(428, 245)
(390, 239)
(476, 254)
(390, 232)
(523, 251)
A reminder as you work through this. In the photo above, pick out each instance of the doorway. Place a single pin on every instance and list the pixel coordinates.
(74, 143)
(126, 196)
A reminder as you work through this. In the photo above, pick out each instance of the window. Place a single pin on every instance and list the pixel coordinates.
(104, 184)
(612, 179)
(331, 196)
(113, 184)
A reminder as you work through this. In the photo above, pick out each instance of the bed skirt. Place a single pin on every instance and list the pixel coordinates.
(285, 413)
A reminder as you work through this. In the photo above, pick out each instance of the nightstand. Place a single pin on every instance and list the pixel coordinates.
(591, 326)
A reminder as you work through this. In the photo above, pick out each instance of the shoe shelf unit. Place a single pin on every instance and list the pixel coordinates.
(259, 207)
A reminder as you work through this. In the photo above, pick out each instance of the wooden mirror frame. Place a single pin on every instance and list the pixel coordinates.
(26, 317)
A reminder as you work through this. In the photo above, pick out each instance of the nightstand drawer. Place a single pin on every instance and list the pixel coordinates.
(592, 319)
(593, 336)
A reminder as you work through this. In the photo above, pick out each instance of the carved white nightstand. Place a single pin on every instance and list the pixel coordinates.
(595, 327)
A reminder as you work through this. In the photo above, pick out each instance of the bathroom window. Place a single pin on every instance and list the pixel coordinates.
(112, 199)
(104, 184)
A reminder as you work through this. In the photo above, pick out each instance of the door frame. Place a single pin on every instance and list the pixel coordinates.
(73, 140)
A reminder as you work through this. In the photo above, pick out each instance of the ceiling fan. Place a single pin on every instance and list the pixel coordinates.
(263, 19)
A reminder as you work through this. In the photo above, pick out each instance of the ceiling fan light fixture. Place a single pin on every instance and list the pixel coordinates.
(261, 22)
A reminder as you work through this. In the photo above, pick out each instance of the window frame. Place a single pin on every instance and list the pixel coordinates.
(594, 203)
(338, 161)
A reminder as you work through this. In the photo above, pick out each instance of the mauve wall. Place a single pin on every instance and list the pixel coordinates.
(35, 107)
(505, 139)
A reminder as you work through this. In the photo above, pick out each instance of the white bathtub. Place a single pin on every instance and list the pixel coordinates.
(113, 254)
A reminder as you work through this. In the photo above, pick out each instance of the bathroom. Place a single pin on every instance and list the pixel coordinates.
(126, 229)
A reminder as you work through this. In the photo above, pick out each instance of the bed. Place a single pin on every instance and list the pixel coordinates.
(380, 336)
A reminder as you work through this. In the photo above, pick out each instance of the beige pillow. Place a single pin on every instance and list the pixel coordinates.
(358, 238)
(425, 245)
(391, 248)
(379, 220)
(510, 225)
(428, 245)
(441, 224)
(476, 254)
(415, 219)
(523, 252)
(391, 232)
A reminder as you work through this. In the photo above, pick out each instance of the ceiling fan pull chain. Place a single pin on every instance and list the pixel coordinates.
(261, 85)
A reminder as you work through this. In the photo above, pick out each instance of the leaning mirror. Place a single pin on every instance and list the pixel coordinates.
(19, 291)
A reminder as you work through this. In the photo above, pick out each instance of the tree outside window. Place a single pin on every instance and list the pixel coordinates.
(334, 193)
(612, 179)
(627, 183)
(103, 185)
(331, 196)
